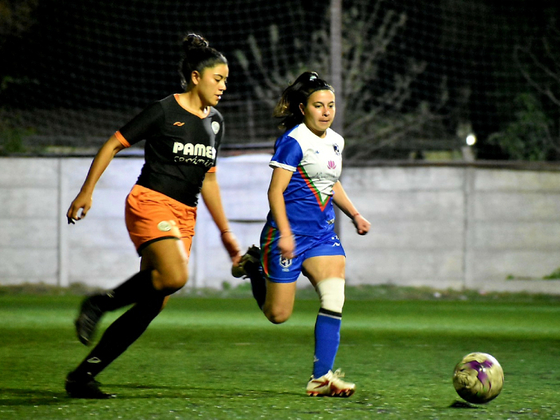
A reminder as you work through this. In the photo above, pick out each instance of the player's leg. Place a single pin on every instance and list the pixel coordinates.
(157, 225)
(327, 274)
(265, 266)
(167, 260)
(164, 271)
(250, 266)
(281, 275)
(279, 302)
(276, 300)
(81, 383)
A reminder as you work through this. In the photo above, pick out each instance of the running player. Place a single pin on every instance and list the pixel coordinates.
(183, 134)
(299, 236)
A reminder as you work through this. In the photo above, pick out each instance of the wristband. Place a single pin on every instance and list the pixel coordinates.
(225, 231)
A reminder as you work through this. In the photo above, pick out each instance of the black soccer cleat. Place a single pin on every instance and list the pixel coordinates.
(251, 259)
(87, 321)
(88, 388)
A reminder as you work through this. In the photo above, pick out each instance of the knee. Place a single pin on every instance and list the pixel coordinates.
(175, 282)
(276, 315)
(170, 280)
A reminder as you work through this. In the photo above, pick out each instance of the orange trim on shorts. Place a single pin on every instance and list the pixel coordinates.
(152, 216)
(121, 138)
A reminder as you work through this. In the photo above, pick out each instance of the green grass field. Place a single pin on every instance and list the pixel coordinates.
(216, 358)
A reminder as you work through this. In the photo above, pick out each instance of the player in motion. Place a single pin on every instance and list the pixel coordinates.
(299, 233)
(183, 134)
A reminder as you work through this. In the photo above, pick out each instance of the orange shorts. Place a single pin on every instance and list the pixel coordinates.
(152, 216)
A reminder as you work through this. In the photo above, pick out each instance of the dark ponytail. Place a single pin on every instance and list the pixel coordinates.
(294, 95)
(197, 56)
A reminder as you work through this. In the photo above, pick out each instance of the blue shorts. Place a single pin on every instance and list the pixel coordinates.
(283, 270)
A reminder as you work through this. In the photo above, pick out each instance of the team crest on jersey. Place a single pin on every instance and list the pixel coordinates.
(215, 127)
(336, 149)
(331, 164)
(285, 262)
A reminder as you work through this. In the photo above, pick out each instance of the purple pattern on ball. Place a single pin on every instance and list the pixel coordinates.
(480, 368)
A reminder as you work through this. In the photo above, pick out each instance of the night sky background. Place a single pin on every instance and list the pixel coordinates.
(101, 55)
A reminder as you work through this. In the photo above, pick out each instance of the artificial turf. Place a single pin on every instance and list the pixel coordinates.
(218, 358)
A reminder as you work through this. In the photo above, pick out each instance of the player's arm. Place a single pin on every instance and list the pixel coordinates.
(140, 127)
(278, 184)
(83, 201)
(213, 199)
(344, 203)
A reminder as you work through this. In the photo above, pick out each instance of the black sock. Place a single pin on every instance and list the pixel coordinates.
(118, 337)
(138, 287)
(258, 282)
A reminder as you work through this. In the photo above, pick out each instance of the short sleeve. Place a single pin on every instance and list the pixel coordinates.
(142, 125)
(287, 154)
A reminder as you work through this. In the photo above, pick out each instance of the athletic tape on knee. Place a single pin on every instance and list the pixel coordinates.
(331, 293)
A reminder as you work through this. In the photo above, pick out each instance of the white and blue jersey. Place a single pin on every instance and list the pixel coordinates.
(316, 164)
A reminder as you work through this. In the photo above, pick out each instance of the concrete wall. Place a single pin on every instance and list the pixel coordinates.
(456, 227)
(439, 226)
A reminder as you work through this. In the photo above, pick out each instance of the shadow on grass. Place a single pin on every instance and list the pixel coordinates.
(30, 397)
(165, 391)
(463, 404)
(27, 397)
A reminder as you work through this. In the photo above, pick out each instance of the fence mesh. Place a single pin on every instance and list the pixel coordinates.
(416, 76)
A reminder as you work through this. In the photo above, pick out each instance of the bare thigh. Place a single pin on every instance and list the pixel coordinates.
(168, 261)
(280, 297)
(279, 303)
(321, 268)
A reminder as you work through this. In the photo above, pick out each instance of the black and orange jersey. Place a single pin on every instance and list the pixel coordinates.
(180, 147)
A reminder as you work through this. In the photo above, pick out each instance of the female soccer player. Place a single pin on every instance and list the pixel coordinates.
(183, 133)
(298, 236)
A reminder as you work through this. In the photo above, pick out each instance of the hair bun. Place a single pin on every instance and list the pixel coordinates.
(194, 41)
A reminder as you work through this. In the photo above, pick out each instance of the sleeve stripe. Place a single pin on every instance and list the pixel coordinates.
(274, 164)
(121, 138)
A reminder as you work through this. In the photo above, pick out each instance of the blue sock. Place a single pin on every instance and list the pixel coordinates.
(327, 338)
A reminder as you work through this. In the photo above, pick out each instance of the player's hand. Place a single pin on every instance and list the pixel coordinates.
(79, 207)
(232, 246)
(361, 224)
(287, 246)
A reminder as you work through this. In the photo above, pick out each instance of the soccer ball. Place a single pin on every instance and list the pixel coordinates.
(478, 378)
